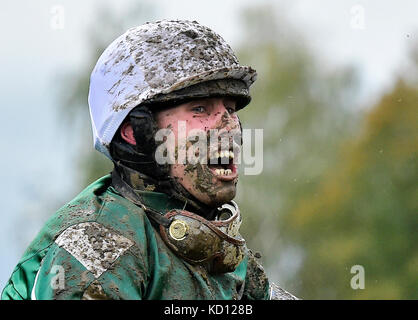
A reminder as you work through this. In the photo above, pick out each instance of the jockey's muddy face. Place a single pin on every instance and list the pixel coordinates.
(213, 176)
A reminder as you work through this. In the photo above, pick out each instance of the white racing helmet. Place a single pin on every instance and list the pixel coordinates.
(152, 63)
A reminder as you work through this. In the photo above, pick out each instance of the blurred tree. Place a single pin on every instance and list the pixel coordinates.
(364, 212)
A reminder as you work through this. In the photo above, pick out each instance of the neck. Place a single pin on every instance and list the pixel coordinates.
(141, 182)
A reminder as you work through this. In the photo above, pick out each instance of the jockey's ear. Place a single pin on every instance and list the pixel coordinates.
(127, 133)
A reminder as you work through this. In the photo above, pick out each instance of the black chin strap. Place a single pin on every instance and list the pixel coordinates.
(126, 191)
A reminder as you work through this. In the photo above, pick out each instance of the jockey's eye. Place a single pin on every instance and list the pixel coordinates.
(199, 109)
(231, 110)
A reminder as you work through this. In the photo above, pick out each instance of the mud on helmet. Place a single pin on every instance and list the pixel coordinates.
(159, 63)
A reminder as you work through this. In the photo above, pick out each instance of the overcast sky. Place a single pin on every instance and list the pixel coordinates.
(374, 35)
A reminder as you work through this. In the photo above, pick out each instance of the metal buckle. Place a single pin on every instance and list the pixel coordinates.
(227, 211)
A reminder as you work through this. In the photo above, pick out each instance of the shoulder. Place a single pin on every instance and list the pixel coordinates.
(111, 226)
(87, 237)
(258, 286)
(90, 260)
(97, 210)
(256, 282)
(94, 245)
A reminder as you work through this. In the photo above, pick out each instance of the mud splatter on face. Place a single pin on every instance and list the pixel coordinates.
(208, 177)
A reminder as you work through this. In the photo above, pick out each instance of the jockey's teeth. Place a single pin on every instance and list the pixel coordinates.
(223, 154)
(223, 172)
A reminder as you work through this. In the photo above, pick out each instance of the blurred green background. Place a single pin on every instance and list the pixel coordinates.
(339, 183)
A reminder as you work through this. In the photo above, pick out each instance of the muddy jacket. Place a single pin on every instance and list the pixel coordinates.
(102, 246)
